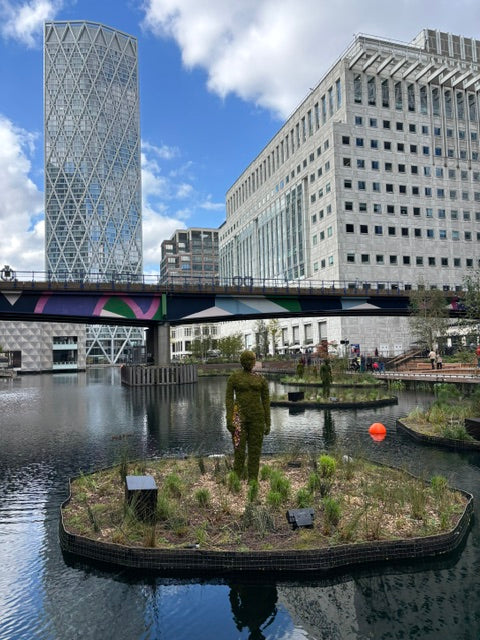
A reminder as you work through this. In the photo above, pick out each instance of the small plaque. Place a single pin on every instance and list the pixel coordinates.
(300, 518)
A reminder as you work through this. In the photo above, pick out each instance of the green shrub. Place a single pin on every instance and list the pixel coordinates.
(257, 517)
(314, 482)
(165, 508)
(274, 499)
(331, 511)
(201, 465)
(280, 484)
(233, 482)
(265, 472)
(304, 498)
(173, 485)
(202, 497)
(327, 466)
(439, 485)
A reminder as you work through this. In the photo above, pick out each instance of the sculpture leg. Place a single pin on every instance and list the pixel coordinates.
(255, 440)
(239, 454)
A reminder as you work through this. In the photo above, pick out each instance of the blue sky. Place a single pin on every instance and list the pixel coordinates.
(217, 80)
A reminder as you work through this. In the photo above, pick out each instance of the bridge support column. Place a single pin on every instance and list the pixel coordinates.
(158, 343)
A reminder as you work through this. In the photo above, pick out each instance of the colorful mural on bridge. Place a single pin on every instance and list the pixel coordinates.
(149, 308)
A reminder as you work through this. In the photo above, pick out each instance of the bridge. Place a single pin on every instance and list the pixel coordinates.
(145, 301)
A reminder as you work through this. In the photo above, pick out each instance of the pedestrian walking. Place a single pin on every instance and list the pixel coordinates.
(432, 357)
(439, 361)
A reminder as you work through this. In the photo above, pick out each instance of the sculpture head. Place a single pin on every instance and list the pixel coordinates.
(247, 360)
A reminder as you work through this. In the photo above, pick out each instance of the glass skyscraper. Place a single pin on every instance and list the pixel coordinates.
(92, 162)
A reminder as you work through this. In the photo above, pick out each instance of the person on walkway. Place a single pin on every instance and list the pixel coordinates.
(247, 402)
(478, 356)
(439, 361)
(432, 357)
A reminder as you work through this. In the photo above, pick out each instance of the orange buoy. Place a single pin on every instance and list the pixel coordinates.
(377, 431)
(377, 428)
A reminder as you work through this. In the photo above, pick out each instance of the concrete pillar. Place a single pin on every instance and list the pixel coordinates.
(158, 343)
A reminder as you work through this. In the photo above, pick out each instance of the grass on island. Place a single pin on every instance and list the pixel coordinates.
(446, 415)
(341, 394)
(202, 502)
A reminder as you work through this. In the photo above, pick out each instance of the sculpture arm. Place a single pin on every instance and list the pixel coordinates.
(266, 406)
(229, 402)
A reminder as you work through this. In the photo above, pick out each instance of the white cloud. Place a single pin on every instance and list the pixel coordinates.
(272, 51)
(164, 152)
(21, 205)
(24, 22)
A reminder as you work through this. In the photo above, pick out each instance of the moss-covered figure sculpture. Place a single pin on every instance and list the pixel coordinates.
(248, 415)
(326, 377)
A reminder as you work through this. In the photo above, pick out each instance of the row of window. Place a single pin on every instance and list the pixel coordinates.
(438, 151)
(405, 232)
(415, 97)
(428, 192)
(427, 170)
(424, 129)
(391, 209)
(418, 261)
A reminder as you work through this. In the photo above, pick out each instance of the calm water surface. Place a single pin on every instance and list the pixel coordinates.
(51, 427)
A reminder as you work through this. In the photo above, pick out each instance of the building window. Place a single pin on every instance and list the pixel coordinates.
(371, 91)
(357, 89)
(423, 100)
(398, 96)
(385, 94)
(411, 97)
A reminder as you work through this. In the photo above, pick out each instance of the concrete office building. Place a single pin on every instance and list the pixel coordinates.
(190, 253)
(375, 178)
(92, 164)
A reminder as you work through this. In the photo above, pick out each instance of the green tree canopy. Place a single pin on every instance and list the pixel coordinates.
(429, 317)
(231, 346)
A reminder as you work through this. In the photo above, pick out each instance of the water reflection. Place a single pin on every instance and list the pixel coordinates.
(51, 427)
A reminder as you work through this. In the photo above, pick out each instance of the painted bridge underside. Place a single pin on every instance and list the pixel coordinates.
(146, 308)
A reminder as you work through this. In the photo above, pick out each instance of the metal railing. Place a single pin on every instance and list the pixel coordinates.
(117, 280)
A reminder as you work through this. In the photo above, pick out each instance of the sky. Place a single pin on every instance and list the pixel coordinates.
(217, 80)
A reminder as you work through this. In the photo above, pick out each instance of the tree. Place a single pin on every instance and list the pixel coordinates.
(231, 346)
(200, 346)
(261, 338)
(274, 331)
(471, 301)
(429, 317)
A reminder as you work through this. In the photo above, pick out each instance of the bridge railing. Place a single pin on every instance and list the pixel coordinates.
(124, 281)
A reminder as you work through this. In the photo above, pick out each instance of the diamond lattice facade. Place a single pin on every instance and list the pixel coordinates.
(92, 161)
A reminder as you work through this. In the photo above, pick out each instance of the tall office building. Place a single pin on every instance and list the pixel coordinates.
(375, 178)
(190, 253)
(92, 163)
